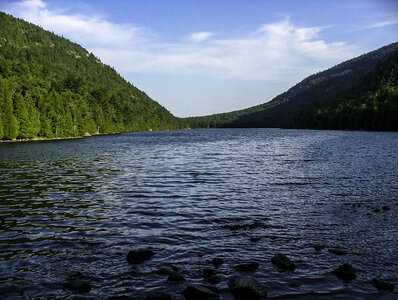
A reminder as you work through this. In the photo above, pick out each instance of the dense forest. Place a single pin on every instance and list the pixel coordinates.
(51, 87)
(371, 104)
(337, 98)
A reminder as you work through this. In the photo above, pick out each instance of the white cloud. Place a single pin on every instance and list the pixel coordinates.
(276, 51)
(198, 37)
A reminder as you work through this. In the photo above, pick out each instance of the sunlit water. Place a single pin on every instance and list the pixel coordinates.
(81, 205)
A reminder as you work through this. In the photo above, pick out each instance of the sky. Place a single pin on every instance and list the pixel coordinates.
(200, 57)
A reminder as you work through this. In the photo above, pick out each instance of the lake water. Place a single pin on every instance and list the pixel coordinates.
(80, 205)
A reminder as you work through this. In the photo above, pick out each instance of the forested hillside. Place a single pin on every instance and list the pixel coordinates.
(316, 89)
(51, 87)
(371, 104)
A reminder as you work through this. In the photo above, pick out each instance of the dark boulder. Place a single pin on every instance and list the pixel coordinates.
(382, 285)
(208, 273)
(255, 239)
(318, 247)
(345, 272)
(217, 261)
(175, 268)
(199, 292)
(139, 255)
(163, 271)
(376, 210)
(158, 295)
(175, 277)
(283, 262)
(385, 208)
(78, 285)
(337, 251)
(214, 279)
(246, 288)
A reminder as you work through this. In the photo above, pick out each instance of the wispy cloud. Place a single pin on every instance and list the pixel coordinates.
(276, 51)
(383, 24)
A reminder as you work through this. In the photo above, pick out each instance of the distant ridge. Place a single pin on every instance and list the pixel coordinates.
(51, 87)
(296, 107)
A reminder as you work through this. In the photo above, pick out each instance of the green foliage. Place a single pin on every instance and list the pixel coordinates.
(51, 87)
(9, 121)
(315, 90)
(371, 104)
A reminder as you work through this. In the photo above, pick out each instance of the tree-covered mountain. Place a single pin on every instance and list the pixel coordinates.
(51, 87)
(370, 104)
(352, 81)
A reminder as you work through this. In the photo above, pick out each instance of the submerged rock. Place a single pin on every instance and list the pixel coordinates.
(318, 247)
(283, 262)
(337, 251)
(255, 239)
(376, 210)
(382, 285)
(345, 272)
(208, 273)
(78, 285)
(199, 292)
(175, 277)
(253, 225)
(175, 268)
(163, 271)
(214, 279)
(217, 261)
(158, 295)
(246, 267)
(246, 288)
(140, 255)
(385, 208)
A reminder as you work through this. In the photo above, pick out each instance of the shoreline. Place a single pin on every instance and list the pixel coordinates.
(38, 139)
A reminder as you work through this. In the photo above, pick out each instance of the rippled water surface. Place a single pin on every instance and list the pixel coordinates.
(80, 205)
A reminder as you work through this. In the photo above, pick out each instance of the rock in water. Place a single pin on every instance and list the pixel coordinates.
(199, 292)
(214, 279)
(246, 267)
(175, 277)
(337, 251)
(382, 285)
(163, 271)
(345, 272)
(208, 273)
(78, 285)
(246, 288)
(283, 262)
(217, 261)
(255, 239)
(140, 255)
(318, 247)
(158, 295)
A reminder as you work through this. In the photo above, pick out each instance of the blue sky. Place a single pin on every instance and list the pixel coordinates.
(204, 57)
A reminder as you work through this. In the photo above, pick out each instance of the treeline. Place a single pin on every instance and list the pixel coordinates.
(51, 87)
(372, 104)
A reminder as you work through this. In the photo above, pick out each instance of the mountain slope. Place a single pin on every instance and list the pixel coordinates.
(312, 91)
(371, 104)
(51, 87)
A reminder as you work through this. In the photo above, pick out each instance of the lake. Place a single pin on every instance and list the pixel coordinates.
(76, 208)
